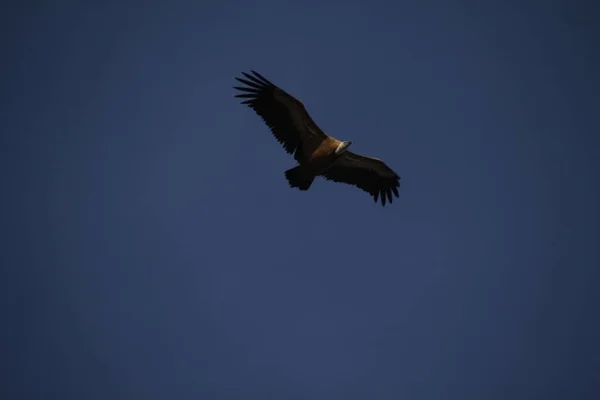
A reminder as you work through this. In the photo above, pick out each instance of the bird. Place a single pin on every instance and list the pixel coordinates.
(316, 153)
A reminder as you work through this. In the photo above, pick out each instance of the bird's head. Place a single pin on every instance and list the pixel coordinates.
(342, 147)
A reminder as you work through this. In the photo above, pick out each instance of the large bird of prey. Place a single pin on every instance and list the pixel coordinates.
(316, 153)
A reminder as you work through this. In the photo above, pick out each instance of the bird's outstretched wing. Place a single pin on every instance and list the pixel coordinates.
(285, 115)
(369, 174)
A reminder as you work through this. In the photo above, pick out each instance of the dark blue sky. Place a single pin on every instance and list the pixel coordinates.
(153, 250)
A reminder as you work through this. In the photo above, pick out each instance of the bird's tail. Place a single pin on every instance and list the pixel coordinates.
(299, 177)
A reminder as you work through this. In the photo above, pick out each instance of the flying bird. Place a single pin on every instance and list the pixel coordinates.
(317, 153)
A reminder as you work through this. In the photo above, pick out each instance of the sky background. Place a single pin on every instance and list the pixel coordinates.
(152, 249)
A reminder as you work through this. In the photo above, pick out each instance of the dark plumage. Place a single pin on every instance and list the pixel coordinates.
(316, 153)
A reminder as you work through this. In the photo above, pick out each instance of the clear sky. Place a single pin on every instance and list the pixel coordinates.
(152, 248)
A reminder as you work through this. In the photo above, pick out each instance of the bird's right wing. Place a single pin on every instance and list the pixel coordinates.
(285, 115)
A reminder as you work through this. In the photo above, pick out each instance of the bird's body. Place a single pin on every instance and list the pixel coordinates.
(317, 154)
(314, 164)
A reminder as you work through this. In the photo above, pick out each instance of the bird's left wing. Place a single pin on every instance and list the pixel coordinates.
(369, 174)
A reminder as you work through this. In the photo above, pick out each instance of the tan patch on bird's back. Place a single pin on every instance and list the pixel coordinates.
(326, 148)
